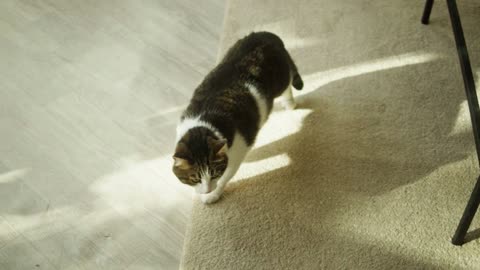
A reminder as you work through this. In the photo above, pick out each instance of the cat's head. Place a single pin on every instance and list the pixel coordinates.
(200, 159)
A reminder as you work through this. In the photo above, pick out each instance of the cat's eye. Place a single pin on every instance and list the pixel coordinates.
(194, 179)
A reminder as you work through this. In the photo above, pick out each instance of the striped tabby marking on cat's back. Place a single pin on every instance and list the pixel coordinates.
(261, 103)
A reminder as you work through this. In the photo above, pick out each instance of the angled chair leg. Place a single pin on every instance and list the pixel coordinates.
(427, 11)
(470, 91)
(470, 210)
(473, 203)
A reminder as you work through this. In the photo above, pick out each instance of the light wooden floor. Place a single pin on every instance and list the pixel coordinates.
(90, 92)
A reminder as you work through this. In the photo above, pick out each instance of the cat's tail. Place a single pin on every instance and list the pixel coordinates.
(297, 81)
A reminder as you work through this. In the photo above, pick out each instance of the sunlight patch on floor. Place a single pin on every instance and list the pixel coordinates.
(13, 176)
(462, 122)
(294, 42)
(319, 79)
(259, 167)
(286, 30)
(281, 124)
(137, 188)
(174, 111)
(142, 185)
(477, 81)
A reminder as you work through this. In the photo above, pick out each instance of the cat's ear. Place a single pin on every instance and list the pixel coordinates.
(223, 149)
(181, 163)
(219, 146)
(182, 156)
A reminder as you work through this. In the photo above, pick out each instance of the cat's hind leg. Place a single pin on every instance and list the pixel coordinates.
(287, 99)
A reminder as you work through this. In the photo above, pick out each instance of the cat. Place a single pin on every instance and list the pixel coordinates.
(227, 110)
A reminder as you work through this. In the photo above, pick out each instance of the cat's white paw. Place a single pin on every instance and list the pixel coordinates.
(210, 197)
(289, 104)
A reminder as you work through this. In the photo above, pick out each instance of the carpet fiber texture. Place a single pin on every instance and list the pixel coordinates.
(374, 168)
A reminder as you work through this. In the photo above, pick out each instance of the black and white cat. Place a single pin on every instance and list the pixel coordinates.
(227, 110)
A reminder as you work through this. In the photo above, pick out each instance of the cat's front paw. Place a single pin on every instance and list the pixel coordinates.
(210, 197)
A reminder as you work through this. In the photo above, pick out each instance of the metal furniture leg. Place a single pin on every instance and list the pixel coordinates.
(468, 81)
(470, 210)
(426, 11)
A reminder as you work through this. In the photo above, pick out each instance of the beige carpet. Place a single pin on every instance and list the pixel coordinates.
(375, 167)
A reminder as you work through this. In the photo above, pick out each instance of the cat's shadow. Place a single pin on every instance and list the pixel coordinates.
(355, 142)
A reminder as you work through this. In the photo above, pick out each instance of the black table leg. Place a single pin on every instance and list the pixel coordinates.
(468, 81)
(427, 11)
(470, 210)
